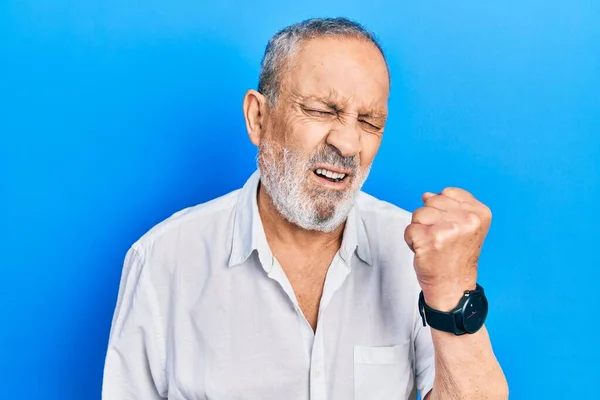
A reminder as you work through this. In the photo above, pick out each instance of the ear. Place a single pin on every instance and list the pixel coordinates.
(255, 109)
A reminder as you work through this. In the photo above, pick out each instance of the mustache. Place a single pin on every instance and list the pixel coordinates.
(335, 159)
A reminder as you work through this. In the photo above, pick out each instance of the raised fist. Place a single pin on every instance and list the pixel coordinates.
(446, 236)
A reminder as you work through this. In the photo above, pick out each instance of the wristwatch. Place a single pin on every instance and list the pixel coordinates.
(467, 317)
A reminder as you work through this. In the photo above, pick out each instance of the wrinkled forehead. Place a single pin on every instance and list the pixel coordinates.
(349, 73)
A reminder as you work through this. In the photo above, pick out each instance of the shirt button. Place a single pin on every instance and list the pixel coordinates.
(317, 373)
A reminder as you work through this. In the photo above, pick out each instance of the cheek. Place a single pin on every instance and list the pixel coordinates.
(306, 133)
(370, 147)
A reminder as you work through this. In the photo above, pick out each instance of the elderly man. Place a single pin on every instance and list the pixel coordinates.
(299, 285)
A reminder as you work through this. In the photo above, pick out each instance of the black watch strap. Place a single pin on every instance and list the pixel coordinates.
(452, 321)
(442, 321)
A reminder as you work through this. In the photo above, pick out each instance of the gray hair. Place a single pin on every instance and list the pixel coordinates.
(285, 42)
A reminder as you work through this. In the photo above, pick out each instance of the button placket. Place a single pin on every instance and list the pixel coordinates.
(318, 383)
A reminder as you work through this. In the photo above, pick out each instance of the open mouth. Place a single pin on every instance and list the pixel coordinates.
(330, 175)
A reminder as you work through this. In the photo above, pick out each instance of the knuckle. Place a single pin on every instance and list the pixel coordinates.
(438, 239)
(487, 212)
(449, 191)
(473, 220)
(455, 228)
(409, 234)
(417, 214)
(432, 200)
(438, 243)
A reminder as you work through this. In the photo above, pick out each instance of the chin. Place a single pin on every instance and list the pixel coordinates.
(324, 218)
(326, 208)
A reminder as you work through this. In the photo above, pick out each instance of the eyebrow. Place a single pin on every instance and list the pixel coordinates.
(331, 101)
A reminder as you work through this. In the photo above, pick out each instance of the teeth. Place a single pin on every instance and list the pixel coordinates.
(330, 174)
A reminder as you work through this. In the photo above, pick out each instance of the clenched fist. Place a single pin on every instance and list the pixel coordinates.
(446, 236)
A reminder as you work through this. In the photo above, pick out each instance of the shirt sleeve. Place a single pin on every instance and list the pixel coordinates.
(424, 357)
(134, 364)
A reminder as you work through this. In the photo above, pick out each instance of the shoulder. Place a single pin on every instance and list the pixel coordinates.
(384, 224)
(381, 214)
(199, 222)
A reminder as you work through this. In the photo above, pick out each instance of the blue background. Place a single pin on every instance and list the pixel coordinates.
(115, 114)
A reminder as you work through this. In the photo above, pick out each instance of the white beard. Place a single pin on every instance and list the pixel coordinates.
(285, 181)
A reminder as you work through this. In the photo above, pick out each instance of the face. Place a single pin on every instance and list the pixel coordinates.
(321, 136)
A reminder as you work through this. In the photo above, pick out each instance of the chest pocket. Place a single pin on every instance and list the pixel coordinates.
(382, 373)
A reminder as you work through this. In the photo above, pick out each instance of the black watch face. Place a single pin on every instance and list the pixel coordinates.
(475, 311)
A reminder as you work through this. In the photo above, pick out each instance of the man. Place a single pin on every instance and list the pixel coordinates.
(299, 285)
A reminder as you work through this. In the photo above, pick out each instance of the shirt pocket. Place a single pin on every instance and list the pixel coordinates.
(382, 373)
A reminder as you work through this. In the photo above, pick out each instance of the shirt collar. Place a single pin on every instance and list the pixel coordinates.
(355, 239)
(249, 234)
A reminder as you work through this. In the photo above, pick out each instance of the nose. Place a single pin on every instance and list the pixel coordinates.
(346, 139)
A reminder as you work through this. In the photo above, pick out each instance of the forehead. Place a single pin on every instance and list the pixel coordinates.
(344, 70)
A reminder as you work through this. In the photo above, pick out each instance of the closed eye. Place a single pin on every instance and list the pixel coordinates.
(318, 113)
(370, 125)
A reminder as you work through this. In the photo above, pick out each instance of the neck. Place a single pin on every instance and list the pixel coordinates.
(282, 233)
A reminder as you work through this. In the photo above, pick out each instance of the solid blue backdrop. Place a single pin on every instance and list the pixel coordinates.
(115, 114)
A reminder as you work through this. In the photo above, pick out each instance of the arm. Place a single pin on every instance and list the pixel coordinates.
(446, 236)
(134, 366)
(466, 368)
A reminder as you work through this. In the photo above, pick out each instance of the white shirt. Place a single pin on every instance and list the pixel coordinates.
(205, 311)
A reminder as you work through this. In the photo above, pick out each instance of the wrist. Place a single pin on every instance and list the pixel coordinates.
(445, 298)
(454, 311)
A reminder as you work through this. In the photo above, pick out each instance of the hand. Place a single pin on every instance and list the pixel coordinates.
(446, 236)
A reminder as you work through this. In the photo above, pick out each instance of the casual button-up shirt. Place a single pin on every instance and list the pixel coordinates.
(205, 311)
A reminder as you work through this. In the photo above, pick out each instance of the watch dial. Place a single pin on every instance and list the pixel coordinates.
(475, 313)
